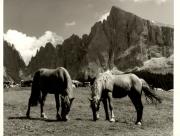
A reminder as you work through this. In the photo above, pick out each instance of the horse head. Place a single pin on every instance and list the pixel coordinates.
(95, 105)
(66, 103)
(95, 100)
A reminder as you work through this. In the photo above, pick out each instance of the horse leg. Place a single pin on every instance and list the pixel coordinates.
(112, 119)
(28, 110)
(58, 117)
(136, 100)
(105, 108)
(42, 102)
(97, 115)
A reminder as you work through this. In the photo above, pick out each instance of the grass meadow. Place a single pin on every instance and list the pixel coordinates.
(157, 119)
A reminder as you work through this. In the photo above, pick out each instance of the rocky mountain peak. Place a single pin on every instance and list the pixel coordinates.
(123, 41)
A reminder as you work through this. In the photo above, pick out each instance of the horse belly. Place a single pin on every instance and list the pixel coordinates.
(51, 87)
(119, 92)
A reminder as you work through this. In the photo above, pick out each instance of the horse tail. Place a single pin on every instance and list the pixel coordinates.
(149, 93)
(35, 90)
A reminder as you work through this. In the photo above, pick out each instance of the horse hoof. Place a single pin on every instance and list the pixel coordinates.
(112, 120)
(97, 116)
(64, 119)
(58, 117)
(139, 123)
(43, 115)
(95, 119)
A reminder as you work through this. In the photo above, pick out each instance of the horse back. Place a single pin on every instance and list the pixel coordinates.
(127, 82)
(54, 80)
(123, 81)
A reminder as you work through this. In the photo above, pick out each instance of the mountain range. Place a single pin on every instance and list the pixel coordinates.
(123, 41)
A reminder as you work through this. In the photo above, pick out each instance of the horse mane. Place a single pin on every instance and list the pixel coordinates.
(68, 82)
(105, 79)
(117, 72)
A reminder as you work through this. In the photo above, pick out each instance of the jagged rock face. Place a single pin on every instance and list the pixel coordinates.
(68, 55)
(123, 40)
(71, 55)
(14, 65)
(46, 57)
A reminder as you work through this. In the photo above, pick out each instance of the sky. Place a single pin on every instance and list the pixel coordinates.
(28, 24)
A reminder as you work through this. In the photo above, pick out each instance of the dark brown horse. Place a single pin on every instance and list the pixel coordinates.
(52, 81)
(106, 86)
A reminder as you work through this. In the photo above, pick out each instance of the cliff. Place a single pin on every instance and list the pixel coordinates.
(123, 41)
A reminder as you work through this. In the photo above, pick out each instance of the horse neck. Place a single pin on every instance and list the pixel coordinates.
(69, 88)
(69, 92)
(97, 92)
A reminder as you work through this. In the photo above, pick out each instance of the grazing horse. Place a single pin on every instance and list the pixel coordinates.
(106, 86)
(52, 81)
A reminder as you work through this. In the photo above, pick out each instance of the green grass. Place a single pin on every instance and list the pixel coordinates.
(157, 119)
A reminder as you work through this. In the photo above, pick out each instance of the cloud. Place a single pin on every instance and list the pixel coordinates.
(27, 45)
(49, 37)
(157, 1)
(140, 1)
(73, 23)
(103, 17)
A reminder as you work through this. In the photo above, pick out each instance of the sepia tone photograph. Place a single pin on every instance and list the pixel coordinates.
(88, 67)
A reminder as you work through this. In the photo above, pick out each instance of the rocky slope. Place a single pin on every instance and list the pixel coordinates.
(14, 65)
(45, 58)
(123, 41)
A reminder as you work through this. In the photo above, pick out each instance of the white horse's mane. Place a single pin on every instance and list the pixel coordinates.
(105, 78)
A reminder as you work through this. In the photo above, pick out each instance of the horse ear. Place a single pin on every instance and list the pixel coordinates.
(90, 99)
(72, 99)
(92, 81)
(62, 97)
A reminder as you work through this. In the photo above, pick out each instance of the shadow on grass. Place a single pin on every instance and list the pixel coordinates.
(54, 120)
(85, 119)
(91, 120)
(41, 119)
(24, 118)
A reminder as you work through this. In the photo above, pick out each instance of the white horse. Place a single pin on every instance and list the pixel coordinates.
(107, 85)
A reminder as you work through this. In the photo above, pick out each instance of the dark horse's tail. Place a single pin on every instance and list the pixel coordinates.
(149, 93)
(35, 90)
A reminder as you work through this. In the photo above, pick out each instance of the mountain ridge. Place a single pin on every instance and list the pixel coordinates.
(122, 41)
(121, 33)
